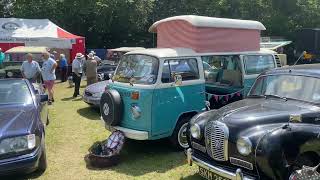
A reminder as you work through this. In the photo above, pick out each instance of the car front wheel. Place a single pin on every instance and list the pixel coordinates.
(179, 137)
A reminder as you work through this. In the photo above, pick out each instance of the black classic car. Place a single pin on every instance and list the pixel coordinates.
(104, 70)
(23, 118)
(273, 134)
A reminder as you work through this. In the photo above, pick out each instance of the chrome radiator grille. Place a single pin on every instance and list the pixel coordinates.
(216, 137)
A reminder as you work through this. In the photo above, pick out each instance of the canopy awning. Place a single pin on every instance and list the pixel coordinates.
(274, 45)
(35, 32)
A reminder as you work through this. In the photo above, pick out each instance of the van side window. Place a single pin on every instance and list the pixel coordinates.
(187, 68)
(256, 64)
(222, 70)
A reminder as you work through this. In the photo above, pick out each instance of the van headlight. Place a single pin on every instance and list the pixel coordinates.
(244, 146)
(195, 131)
(18, 144)
(135, 111)
(97, 95)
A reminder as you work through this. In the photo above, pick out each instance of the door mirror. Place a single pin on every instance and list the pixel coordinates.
(177, 79)
(43, 97)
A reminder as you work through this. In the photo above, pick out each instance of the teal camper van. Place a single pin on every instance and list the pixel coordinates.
(155, 92)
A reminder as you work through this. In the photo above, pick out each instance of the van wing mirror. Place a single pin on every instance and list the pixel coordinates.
(177, 79)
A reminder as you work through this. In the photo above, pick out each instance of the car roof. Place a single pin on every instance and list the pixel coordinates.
(28, 49)
(305, 69)
(204, 21)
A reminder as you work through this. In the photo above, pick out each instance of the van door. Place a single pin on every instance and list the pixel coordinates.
(171, 100)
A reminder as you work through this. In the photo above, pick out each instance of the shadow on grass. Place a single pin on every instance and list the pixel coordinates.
(79, 98)
(34, 175)
(90, 113)
(142, 157)
(192, 177)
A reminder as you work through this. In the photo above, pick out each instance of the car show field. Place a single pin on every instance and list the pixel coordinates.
(74, 127)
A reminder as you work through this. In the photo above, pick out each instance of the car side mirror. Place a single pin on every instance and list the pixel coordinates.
(43, 97)
(177, 79)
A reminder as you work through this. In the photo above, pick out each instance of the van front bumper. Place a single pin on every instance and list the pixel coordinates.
(238, 175)
(129, 133)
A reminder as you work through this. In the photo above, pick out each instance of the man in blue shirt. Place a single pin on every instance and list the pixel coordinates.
(63, 67)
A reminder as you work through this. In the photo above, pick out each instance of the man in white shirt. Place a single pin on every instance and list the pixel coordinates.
(30, 69)
(77, 73)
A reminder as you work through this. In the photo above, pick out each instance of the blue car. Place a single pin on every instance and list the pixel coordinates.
(23, 118)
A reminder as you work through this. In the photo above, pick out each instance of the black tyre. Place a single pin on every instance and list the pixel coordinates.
(179, 138)
(42, 166)
(111, 107)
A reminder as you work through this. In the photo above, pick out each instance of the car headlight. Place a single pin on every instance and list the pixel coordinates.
(195, 131)
(135, 111)
(9, 74)
(18, 144)
(244, 146)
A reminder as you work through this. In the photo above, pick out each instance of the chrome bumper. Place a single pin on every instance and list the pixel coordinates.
(129, 133)
(238, 175)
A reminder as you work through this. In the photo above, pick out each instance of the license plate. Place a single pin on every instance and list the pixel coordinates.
(210, 175)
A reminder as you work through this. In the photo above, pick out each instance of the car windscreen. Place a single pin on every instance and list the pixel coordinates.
(20, 57)
(137, 69)
(302, 88)
(14, 92)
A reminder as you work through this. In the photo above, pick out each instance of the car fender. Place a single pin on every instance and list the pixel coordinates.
(277, 150)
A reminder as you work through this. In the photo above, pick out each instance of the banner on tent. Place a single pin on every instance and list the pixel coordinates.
(48, 42)
(225, 97)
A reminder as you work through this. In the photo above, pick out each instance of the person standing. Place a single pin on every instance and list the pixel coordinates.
(2, 57)
(30, 69)
(98, 60)
(48, 74)
(63, 67)
(91, 69)
(77, 73)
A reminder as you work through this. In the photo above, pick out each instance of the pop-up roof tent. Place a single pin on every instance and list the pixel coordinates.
(38, 32)
(208, 34)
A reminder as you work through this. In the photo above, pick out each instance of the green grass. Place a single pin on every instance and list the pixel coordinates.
(74, 127)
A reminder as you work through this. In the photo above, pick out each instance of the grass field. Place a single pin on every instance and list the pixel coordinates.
(74, 127)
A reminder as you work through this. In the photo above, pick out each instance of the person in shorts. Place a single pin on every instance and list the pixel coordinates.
(48, 74)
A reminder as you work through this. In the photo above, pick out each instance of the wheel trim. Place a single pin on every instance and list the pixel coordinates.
(182, 136)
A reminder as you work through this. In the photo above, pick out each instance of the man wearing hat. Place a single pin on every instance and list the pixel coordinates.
(91, 69)
(1, 57)
(98, 60)
(77, 73)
